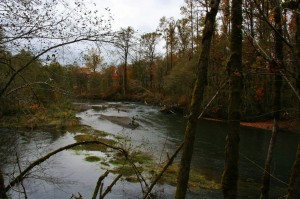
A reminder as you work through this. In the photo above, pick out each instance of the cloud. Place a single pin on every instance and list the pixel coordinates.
(142, 15)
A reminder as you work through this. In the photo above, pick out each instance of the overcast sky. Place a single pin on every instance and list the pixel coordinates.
(142, 15)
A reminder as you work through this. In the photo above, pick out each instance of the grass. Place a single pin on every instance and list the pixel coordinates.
(59, 115)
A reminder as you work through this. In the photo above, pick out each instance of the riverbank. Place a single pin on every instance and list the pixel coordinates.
(62, 115)
(158, 135)
(56, 116)
(286, 125)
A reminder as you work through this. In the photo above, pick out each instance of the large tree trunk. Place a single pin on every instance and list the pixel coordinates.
(197, 98)
(277, 97)
(234, 67)
(294, 186)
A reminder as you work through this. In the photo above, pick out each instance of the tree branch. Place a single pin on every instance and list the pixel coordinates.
(19, 178)
(3, 90)
(110, 186)
(163, 170)
(99, 182)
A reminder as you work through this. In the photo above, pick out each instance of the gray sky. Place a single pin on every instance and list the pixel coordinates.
(142, 15)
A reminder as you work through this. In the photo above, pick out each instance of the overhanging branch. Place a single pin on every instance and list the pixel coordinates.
(19, 178)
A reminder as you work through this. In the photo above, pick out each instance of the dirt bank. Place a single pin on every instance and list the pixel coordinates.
(287, 125)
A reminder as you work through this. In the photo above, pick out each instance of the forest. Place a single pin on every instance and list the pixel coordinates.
(231, 60)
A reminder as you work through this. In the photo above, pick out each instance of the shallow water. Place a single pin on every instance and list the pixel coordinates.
(157, 134)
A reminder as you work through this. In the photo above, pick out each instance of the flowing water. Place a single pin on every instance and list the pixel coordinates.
(68, 173)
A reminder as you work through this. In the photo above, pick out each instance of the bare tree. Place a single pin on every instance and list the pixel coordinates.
(44, 27)
(278, 66)
(149, 42)
(123, 42)
(168, 29)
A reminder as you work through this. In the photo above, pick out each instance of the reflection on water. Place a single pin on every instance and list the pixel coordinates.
(67, 173)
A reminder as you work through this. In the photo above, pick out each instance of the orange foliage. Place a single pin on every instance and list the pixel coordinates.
(183, 100)
(259, 93)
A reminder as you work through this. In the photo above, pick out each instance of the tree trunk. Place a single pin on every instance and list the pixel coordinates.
(2, 187)
(277, 98)
(234, 68)
(294, 186)
(226, 18)
(192, 29)
(197, 98)
(125, 75)
(266, 175)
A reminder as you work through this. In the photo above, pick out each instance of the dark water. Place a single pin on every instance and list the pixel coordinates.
(67, 173)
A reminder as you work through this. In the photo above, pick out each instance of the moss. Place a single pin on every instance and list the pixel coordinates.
(141, 157)
(126, 170)
(92, 159)
(132, 179)
(93, 147)
(105, 164)
(196, 179)
(122, 138)
(89, 130)
(101, 133)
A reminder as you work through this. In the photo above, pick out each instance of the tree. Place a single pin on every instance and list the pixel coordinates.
(44, 27)
(93, 59)
(193, 17)
(278, 66)
(195, 106)
(235, 75)
(183, 37)
(2, 187)
(225, 18)
(149, 41)
(189, 11)
(123, 42)
(294, 186)
(168, 29)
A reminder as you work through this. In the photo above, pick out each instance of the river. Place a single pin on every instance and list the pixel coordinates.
(68, 173)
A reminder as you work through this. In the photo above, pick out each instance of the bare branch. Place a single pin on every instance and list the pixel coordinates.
(110, 186)
(99, 183)
(19, 178)
(20, 170)
(163, 170)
